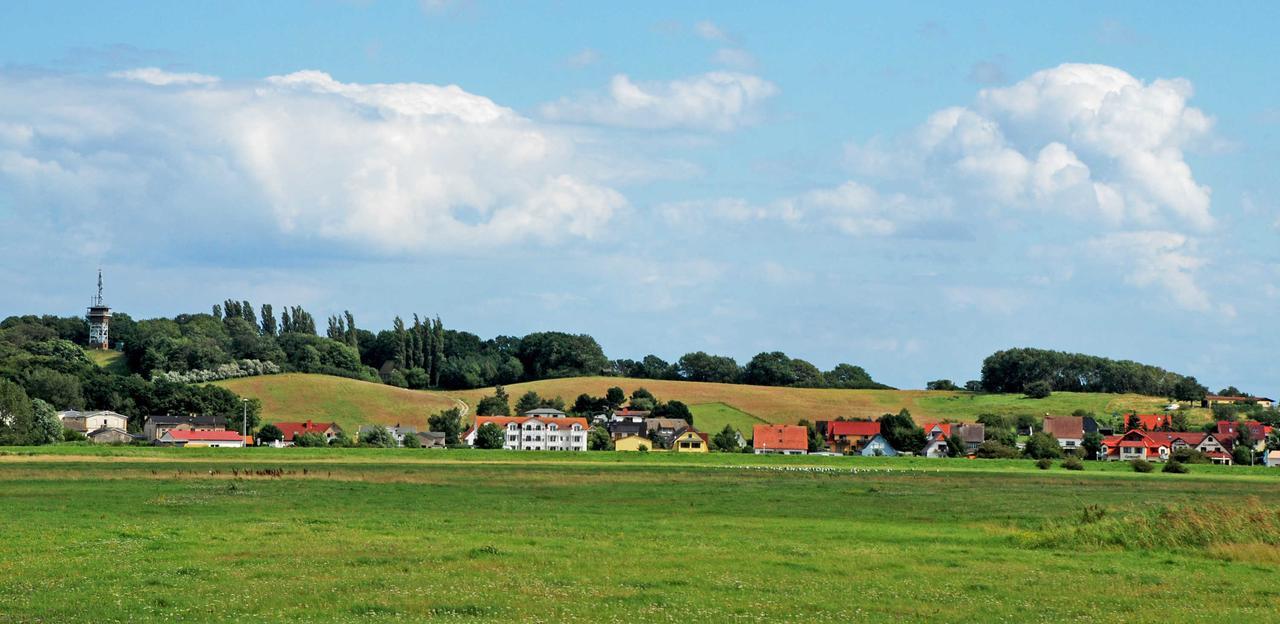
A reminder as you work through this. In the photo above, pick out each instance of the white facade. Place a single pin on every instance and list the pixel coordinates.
(537, 433)
(84, 422)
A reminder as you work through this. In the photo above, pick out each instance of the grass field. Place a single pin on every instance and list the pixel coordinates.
(338, 535)
(113, 361)
(350, 403)
(712, 417)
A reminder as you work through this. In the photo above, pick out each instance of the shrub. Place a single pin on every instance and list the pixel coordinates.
(995, 450)
(411, 440)
(1141, 465)
(1188, 455)
(71, 435)
(1044, 463)
(1038, 390)
(1042, 445)
(1175, 467)
(1073, 463)
(310, 439)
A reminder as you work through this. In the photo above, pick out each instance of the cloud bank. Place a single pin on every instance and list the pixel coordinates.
(718, 101)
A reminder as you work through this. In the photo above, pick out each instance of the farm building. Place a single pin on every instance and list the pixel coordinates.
(110, 435)
(291, 430)
(431, 439)
(398, 432)
(157, 426)
(1213, 399)
(632, 443)
(84, 422)
(780, 440)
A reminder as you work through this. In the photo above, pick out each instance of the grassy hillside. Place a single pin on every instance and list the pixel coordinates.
(348, 402)
(786, 405)
(113, 361)
(712, 417)
(375, 535)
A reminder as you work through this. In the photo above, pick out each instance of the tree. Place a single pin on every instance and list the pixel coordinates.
(1188, 389)
(557, 354)
(412, 441)
(726, 440)
(448, 422)
(769, 369)
(1038, 389)
(315, 439)
(269, 327)
(973, 385)
(1042, 445)
(1273, 440)
(700, 366)
(269, 433)
(490, 436)
(901, 432)
(1179, 422)
(1242, 455)
(816, 442)
(599, 439)
(496, 405)
(673, 409)
(941, 384)
(59, 389)
(528, 401)
(378, 436)
(615, 397)
(1232, 391)
(956, 446)
(587, 405)
(995, 450)
(1092, 445)
(44, 426)
(851, 377)
(15, 411)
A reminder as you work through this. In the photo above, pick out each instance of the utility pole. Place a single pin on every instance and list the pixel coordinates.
(244, 418)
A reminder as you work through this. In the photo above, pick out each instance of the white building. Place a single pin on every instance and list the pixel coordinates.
(85, 422)
(535, 433)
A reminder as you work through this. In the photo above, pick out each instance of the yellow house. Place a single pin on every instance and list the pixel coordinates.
(689, 441)
(632, 443)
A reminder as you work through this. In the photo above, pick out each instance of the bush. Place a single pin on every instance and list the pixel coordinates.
(1175, 467)
(1073, 463)
(1044, 463)
(1141, 465)
(1188, 455)
(1042, 445)
(310, 439)
(71, 435)
(1038, 390)
(995, 450)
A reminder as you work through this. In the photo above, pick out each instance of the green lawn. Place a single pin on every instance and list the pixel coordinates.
(712, 417)
(967, 406)
(113, 361)
(336, 535)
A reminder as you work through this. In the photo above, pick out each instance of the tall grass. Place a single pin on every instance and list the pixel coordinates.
(1209, 523)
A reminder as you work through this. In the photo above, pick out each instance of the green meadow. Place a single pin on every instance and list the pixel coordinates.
(339, 535)
(712, 418)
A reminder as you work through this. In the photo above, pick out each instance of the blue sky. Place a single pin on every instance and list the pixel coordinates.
(907, 188)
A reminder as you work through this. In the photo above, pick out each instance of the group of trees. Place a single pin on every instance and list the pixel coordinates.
(765, 369)
(1016, 370)
(39, 358)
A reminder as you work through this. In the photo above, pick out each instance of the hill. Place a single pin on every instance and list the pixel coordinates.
(788, 405)
(350, 403)
(298, 396)
(112, 361)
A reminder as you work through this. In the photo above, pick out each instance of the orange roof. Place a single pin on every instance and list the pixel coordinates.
(780, 438)
(1068, 427)
(1152, 422)
(945, 428)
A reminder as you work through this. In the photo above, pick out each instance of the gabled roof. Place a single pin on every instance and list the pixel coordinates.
(1064, 427)
(1190, 438)
(204, 436)
(293, 429)
(945, 428)
(1153, 422)
(853, 428)
(780, 437)
(973, 433)
(1132, 439)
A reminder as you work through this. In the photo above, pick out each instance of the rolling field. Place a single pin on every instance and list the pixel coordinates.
(712, 417)
(338, 535)
(350, 403)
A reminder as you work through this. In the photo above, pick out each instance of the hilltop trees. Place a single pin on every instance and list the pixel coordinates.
(1013, 370)
(901, 432)
(496, 405)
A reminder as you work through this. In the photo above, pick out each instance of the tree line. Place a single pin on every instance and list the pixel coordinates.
(1023, 370)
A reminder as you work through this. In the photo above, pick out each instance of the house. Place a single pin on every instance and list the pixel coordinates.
(110, 435)
(937, 445)
(633, 443)
(878, 446)
(1271, 459)
(431, 439)
(189, 438)
(1258, 432)
(691, 441)
(1207, 443)
(1068, 430)
(84, 422)
(663, 430)
(156, 426)
(1091, 425)
(1152, 422)
(849, 436)
(398, 432)
(1213, 399)
(1134, 445)
(780, 440)
(625, 423)
(973, 435)
(292, 430)
(545, 412)
(536, 433)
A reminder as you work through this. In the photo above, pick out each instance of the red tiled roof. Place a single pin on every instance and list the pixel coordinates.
(1152, 422)
(204, 436)
(853, 428)
(944, 427)
(780, 437)
(1192, 438)
(291, 429)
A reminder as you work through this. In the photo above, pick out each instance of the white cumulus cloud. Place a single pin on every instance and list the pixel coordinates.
(1167, 261)
(383, 168)
(718, 101)
(160, 77)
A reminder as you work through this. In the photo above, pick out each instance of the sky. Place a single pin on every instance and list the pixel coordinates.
(908, 188)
